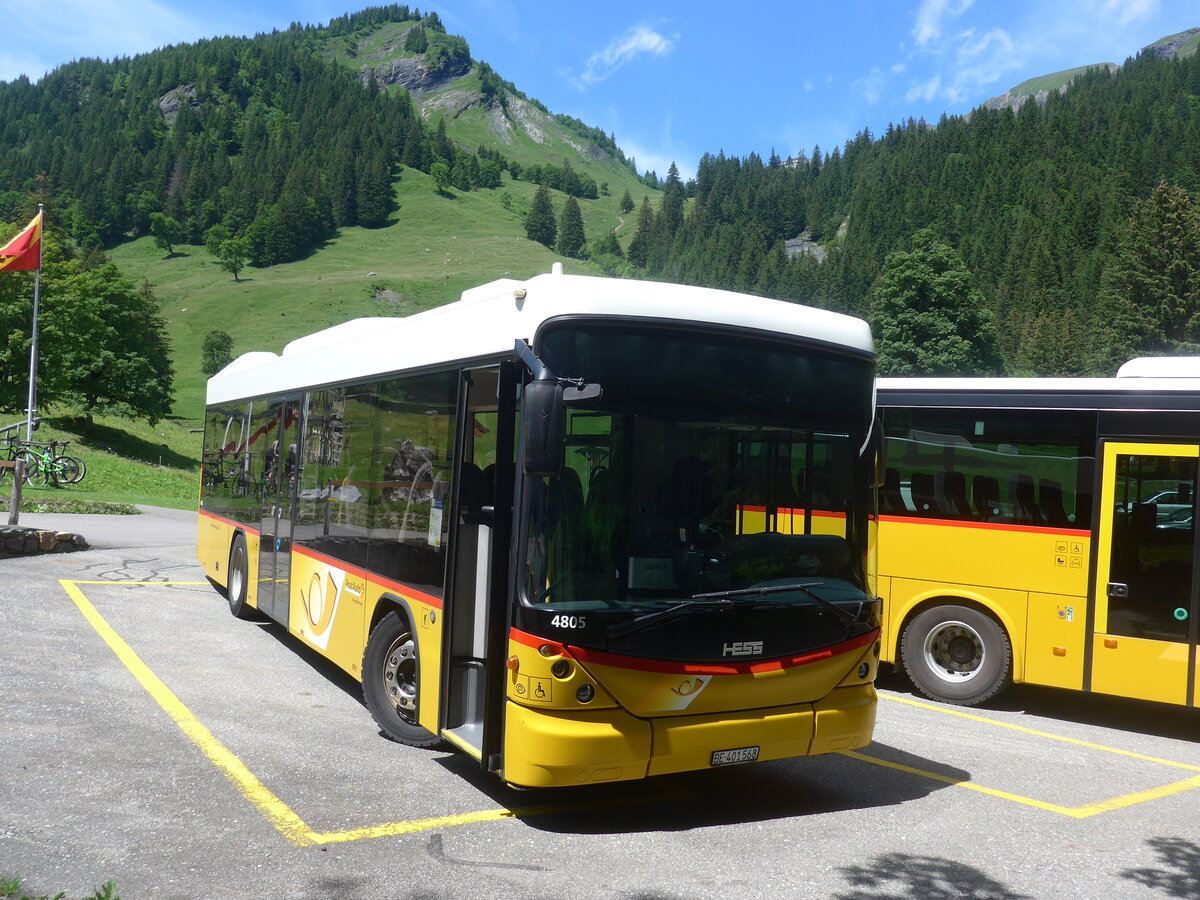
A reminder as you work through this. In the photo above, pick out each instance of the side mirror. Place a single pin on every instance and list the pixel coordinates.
(543, 428)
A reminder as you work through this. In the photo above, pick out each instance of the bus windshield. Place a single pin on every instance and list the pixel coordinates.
(714, 470)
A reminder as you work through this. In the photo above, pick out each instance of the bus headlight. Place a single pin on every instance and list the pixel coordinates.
(585, 693)
(864, 670)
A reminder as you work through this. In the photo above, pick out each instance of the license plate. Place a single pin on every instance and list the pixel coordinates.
(733, 757)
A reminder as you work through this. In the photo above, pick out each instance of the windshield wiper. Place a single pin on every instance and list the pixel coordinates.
(805, 588)
(661, 615)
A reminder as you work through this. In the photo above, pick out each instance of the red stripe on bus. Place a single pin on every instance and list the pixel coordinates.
(603, 658)
(991, 526)
(386, 583)
(249, 529)
(783, 510)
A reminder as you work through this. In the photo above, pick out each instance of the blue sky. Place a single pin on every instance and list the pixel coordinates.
(674, 80)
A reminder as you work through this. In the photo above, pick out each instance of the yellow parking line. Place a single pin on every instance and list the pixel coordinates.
(1046, 734)
(274, 810)
(1077, 812)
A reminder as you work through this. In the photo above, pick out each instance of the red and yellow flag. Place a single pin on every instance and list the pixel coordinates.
(24, 252)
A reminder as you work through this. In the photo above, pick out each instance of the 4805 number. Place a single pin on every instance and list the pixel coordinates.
(569, 621)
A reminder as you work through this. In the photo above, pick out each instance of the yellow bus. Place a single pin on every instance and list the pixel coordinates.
(1042, 531)
(581, 529)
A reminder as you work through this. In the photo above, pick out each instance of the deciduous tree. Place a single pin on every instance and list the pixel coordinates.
(927, 314)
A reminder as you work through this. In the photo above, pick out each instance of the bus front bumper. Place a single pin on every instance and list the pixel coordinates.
(545, 748)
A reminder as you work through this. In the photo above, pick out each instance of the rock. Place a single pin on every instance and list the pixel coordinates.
(16, 540)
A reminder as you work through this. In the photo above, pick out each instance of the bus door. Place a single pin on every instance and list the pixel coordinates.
(278, 491)
(1146, 609)
(476, 615)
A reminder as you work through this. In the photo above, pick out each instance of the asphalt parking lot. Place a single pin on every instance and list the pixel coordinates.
(152, 739)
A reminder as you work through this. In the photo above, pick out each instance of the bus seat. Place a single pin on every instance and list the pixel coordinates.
(1050, 501)
(954, 490)
(472, 495)
(1143, 517)
(923, 496)
(985, 493)
(1027, 510)
(891, 501)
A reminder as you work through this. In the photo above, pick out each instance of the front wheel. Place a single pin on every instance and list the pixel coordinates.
(35, 474)
(957, 654)
(391, 683)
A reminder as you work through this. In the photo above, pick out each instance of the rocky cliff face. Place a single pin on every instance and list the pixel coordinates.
(1169, 47)
(415, 74)
(1183, 44)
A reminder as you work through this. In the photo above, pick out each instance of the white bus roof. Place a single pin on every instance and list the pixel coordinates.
(1161, 367)
(488, 319)
(1178, 385)
(1162, 394)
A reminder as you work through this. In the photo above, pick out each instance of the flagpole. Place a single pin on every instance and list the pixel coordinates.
(33, 344)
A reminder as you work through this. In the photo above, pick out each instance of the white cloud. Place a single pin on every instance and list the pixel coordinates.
(1128, 11)
(654, 159)
(924, 90)
(871, 85)
(637, 41)
(932, 16)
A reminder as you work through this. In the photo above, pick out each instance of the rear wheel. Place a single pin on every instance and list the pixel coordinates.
(957, 654)
(80, 468)
(391, 685)
(238, 574)
(65, 470)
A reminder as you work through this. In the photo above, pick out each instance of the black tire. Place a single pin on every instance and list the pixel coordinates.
(391, 686)
(81, 469)
(237, 576)
(34, 473)
(956, 654)
(65, 470)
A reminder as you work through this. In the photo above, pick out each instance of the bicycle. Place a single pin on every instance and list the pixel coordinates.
(44, 464)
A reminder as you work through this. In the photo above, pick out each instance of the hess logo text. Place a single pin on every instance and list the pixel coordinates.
(743, 648)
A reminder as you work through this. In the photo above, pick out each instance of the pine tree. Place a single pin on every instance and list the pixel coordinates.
(539, 223)
(640, 246)
(374, 198)
(570, 229)
(1150, 292)
(626, 202)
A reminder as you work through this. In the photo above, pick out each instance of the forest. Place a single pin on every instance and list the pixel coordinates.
(1054, 239)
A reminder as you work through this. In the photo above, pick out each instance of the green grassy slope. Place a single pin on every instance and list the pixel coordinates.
(1055, 81)
(438, 246)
